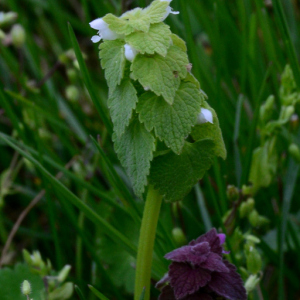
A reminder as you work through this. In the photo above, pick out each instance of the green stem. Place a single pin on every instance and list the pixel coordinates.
(146, 243)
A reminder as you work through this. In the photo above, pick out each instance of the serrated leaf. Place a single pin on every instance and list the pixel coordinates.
(121, 102)
(156, 40)
(211, 131)
(172, 123)
(135, 151)
(179, 42)
(161, 74)
(137, 19)
(174, 175)
(191, 78)
(113, 61)
(11, 280)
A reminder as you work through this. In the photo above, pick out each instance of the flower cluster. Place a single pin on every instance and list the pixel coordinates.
(198, 271)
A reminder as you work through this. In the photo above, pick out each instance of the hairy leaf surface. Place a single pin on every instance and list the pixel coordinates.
(113, 61)
(121, 102)
(172, 123)
(174, 175)
(161, 74)
(156, 40)
(135, 151)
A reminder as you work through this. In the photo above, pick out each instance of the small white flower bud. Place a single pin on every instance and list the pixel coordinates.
(130, 52)
(26, 288)
(168, 11)
(103, 31)
(18, 35)
(205, 116)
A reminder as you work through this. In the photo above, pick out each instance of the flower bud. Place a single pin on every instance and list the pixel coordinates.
(295, 152)
(18, 35)
(72, 93)
(63, 274)
(232, 192)
(287, 112)
(247, 190)
(253, 260)
(179, 236)
(252, 239)
(7, 18)
(26, 288)
(130, 52)
(251, 283)
(253, 218)
(72, 74)
(205, 116)
(103, 31)
(266, 109)
(246, 207)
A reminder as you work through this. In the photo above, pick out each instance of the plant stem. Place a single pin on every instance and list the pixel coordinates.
(146, 243)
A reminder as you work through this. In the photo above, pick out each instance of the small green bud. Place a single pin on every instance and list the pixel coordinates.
(262, 221)
(295, 152)
(253, 218)
(247, 190)
(251, 283)
(246, 207)
(18, 35)
(76, 64)
(253, 260)
(179, 236)
(63, 274)
(266, 110)
(26, 288)
(232, 192)
(72, 93)
(252, 239)
(26, 254)
(72, 74)
(7, 18)
(286, 112)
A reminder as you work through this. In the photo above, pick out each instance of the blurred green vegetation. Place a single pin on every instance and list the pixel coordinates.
(82, 210)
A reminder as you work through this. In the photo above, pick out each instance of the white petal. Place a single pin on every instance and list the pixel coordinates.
(99, 24)
(169, 11)
(205, 116)
(108, 34)
(96, 38)
(130, 52)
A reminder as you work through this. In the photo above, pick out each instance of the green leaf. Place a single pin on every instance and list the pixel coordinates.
(191, 78)
(177, 41)
(174, 175)
(172, 123)
(211, 131)
(113, 61)
(161, 74)
(11, 280)
(135, 151)
(63, 292)
(137, 19)
(121, 102)
(97, 293)
(156, 40)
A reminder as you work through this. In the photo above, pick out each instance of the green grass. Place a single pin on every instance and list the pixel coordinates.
(238, 50)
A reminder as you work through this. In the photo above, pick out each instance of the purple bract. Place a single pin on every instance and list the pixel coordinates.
(198, 271)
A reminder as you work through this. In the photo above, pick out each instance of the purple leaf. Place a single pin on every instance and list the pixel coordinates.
(186, 280)
(228, 285)
(215, 263)
(213, 239)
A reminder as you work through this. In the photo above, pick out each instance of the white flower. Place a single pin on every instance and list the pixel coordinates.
(205, 116)
(130, 52)
(103, 31)
(168, 11)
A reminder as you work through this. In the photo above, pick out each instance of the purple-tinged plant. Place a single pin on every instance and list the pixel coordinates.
(198, 271)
